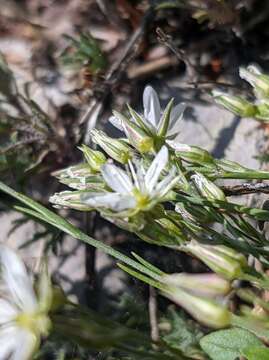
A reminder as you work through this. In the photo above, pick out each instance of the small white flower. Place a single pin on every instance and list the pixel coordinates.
(22, 317)
(155, 121)
(139, 191)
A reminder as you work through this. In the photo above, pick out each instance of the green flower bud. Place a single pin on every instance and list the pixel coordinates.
(76, 171)
(191, 154)
(118, 149)
(220, 259)
(235, 104)
(69, 199)
(230, 166)
(207, 285)
(207, 188)
(80, 177)
(257, 80)
(206, 311)
(94, 158)
(137, 136)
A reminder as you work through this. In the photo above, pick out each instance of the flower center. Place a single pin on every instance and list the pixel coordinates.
(141, 199)
(37, 323)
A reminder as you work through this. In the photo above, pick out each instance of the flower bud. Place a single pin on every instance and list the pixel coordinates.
(220, 259)
(207, 188)
(230, 166)
(118, 149)
(192, 154)
(80, 177)
(76, 171)
(206, 311)
(69, 199)
(137, 136)
(94, 158)
(207, 285)
(235, 104)
(257, 80)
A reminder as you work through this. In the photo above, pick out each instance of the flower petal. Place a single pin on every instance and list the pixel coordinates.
(117, 179)
(116, 122)
(152, 108)
(175, 119)
(113, 201)
(15, 276)
(167, 183)
(26, 344)
(8, 340)
(155, 169)
(7, 312)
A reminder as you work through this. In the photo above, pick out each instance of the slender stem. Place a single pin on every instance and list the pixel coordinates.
(48, 216)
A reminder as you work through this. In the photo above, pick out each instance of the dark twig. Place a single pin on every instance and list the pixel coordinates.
(115, 73)
(166, 40)
(244, 189)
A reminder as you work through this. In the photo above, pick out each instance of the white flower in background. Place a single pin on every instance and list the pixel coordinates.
(140, 190)
(23, 315)
(155, 122)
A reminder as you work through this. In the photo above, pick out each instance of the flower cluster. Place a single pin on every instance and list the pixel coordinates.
(165, 192)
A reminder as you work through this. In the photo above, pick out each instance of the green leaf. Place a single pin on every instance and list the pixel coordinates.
(256, 353)
(228, 344)
(184, 335)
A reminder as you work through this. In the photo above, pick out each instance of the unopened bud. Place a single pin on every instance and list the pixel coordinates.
(206, 311)
(137, 137)
(118, 149)
(220, 259)
(208, 285)
(235, 104)
(257, 80)
(207, 188)
(94, 158)
(80, 177)
(69, 199)
(76, 171)
(192, 154)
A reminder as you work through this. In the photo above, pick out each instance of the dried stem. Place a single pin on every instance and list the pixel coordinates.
(153, 316)
(244, 189)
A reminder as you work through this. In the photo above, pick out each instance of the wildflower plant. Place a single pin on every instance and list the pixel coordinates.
(166, 193)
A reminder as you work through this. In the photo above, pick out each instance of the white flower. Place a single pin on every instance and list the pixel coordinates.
(155, 122)
(139, 191)
(22, 315)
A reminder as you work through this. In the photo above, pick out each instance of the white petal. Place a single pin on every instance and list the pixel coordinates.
(7, 311)
(152, 108)
(155, 169)
(116, 122)
(15, 276)
(166, 185)
(113, 201)
(117, 179)
(26, 343)
(178, 146)
(162, 185)
(8, 341)
(175, 119)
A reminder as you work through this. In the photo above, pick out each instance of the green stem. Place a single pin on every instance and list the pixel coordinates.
(48, 216)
